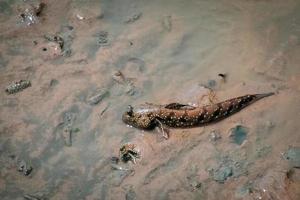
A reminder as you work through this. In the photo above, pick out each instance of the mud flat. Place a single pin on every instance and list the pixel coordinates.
(86, 61)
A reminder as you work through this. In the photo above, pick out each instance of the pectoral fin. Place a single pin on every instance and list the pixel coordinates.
(162, 130)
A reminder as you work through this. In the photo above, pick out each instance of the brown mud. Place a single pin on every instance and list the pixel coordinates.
(57, 137)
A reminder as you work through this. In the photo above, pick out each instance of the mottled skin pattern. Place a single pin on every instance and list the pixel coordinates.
(177, 115)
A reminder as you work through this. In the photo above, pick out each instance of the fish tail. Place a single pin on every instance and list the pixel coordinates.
(260, 96)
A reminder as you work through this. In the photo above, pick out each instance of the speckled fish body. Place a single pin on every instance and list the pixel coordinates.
(183, 116)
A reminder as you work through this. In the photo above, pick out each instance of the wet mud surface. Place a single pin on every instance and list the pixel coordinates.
(86, 61)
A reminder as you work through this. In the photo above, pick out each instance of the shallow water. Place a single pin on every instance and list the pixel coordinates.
(68, 125)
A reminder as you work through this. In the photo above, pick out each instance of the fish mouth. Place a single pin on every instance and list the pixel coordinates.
(127, 119)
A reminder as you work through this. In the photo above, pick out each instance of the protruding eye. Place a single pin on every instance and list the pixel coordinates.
(130, 110)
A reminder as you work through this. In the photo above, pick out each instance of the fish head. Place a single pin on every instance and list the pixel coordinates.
(138, 119)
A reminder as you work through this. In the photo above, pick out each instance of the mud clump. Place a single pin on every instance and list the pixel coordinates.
(55, 38)
(56, 45)
(68, 130)
(17, 86)
(194, 182)
(128, 152)
(24, 167)
(102, 38)
(31, 14)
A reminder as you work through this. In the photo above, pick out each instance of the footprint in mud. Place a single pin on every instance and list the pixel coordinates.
(227, 167)
(130, 193)
(167, 23)
(102, 38)
(133, 18)
(124, 85)
(239, 134)
(66, 128)
(130, 76)
(56, 45)
(9, 160)
(3, 62)
(293, 156)
(49, 50)
(69, 119)
(99, 40)
(24, 167)
(171, 164)
(118, 176)
(67, 34)
(97, 96)
(134, 66)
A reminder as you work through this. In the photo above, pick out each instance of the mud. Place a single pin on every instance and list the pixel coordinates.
(67, 126)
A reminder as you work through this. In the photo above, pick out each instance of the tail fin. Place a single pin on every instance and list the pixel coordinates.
(260, 96)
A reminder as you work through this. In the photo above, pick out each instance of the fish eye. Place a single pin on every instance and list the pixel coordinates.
(129, 110)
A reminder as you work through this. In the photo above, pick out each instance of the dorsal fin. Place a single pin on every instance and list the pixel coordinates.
(178, 106)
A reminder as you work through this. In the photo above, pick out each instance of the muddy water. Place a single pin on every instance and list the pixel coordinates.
(67, 125)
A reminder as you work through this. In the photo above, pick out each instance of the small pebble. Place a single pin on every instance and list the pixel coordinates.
(25, 168)
(214, 136)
